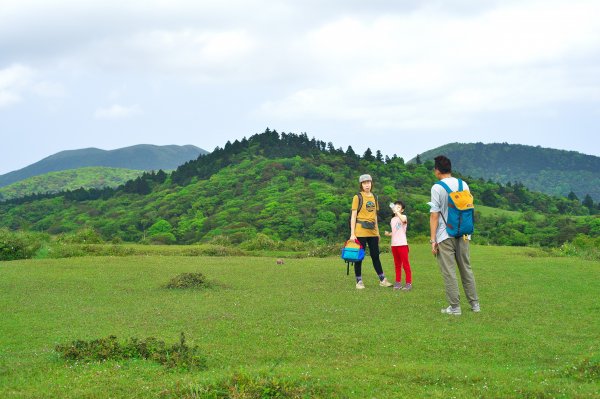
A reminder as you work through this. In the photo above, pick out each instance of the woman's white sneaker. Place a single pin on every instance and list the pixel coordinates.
(385, 283)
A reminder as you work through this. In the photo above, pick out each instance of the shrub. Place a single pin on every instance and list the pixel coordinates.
(188, 280)
(19, 245)
(163, 238)
(219, 250)
(83, 236)
(260, 243)
(63, 250)
(322, 251)
(178, 355)
(582, 246)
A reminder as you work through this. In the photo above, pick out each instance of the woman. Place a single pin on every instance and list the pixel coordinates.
(363, 226)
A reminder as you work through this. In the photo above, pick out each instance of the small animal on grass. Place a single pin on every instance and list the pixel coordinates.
(280, 261)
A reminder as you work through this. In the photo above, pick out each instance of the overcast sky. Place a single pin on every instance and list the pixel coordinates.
(400, 76)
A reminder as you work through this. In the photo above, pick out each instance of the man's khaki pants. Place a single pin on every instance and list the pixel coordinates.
(452, 252)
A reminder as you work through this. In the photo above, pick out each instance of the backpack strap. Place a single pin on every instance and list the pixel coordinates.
(441, 183)
(460, 185)
(360, 202)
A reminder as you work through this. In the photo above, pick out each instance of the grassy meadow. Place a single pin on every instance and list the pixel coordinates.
(301, 329)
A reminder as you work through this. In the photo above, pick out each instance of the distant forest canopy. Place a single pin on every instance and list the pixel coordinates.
(547, 170)
(289, 187)
(71, 179)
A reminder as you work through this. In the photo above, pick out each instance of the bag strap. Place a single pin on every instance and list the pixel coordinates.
(460, 185)
(360, 202)
(441, 183)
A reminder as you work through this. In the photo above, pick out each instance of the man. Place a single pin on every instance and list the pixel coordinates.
(450, 251)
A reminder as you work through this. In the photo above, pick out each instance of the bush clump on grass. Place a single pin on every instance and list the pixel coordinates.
(84, 236)
(188, 280)
(241, 386)
(260, 242)
(178, 355)
(64, 250)
(20, 245)
(582, 246)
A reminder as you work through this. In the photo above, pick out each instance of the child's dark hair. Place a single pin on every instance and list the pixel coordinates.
(401, 204)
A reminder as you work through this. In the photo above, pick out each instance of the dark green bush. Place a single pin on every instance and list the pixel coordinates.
(163, 238)
(188, 280)
(582, 246)
(84, 236)
(19, 245)
(178, 355)
(260, 242)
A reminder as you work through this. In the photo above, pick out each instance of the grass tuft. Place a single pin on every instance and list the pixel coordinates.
(188, 280)
(178, 355)
(242, 386)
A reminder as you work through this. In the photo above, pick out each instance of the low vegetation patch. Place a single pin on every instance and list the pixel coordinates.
(188, 280)
(241, 386)
(178, 355)
(83, 236)
(582, 246)
(19, 245)
(587, 370)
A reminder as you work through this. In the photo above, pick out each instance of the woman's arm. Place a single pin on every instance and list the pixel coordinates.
(353, 224)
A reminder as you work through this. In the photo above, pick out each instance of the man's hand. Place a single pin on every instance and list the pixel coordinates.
(434, 248)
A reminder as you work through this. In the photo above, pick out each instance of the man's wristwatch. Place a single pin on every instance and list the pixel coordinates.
(431, 241)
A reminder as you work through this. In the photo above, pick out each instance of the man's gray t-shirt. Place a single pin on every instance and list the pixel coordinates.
(439, 203)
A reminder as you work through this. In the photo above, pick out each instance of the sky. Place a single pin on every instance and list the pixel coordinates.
(401, 76)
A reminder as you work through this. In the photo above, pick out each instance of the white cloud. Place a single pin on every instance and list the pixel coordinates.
(432, 69)
(192, 52)
(17, 80)
(117, 111)
(14, 80)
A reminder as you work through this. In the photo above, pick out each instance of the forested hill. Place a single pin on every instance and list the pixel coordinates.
(551, 171)
(71, 179)
(288, 187)
(137, 157)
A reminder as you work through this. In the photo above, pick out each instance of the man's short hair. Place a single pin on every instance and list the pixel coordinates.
(443, 164)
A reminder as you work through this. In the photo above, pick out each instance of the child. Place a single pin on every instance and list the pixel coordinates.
(399, 224)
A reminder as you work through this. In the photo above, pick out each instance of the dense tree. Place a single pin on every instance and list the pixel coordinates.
(290, 187)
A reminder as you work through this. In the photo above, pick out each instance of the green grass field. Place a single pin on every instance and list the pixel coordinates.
(304, 324)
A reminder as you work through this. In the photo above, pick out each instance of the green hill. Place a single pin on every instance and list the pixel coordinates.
(137, 157)
(72, 179)
(288, 187)
(547, 170)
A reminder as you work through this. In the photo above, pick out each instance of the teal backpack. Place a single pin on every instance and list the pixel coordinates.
(460, 211)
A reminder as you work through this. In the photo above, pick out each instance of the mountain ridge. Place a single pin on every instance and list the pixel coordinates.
(548, 170)
(136, 157)
(288, 187)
